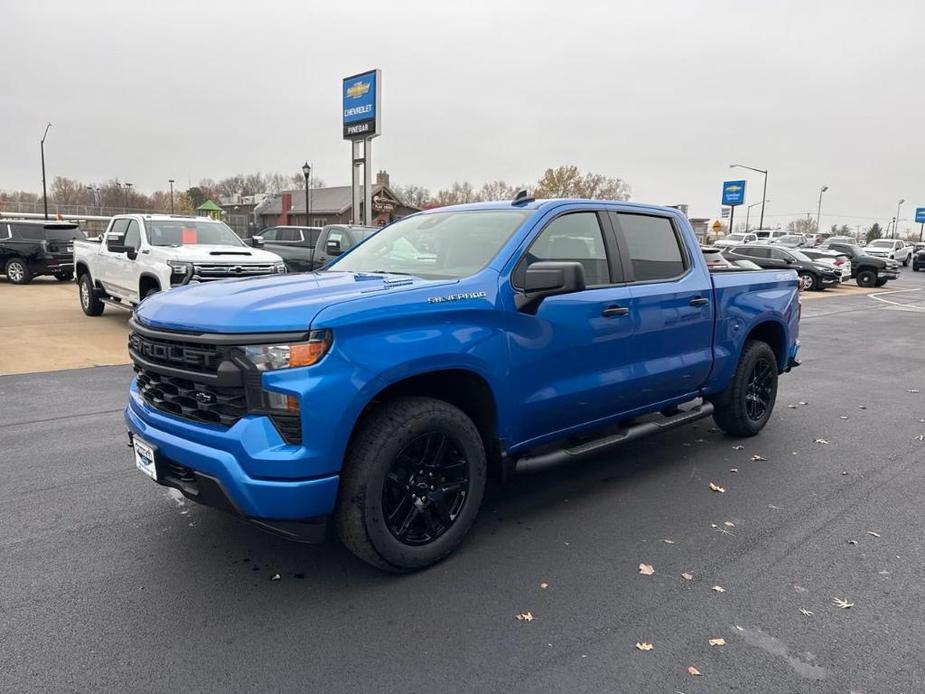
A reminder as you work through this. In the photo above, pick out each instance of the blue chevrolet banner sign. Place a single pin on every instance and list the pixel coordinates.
(361, 105)
(920, 215)
(733, 192)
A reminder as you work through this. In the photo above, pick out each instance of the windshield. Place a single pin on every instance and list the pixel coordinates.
(436, 245)
(736, 237)
(885, 243)
(190, 232)
(63, 234)
(789, 239)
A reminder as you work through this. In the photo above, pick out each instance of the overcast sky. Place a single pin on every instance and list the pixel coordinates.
(662, 94)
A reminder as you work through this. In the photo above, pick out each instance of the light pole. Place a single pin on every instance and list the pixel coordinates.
(125, 187)
(171, 182)
(764, 190)
(819, 210)
(748, 211)
(44, 191)
(896, 225)
(92, 197)
(307, 172)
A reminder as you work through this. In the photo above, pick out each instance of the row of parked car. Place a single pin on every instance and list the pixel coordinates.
(835, 260)
(891, 249)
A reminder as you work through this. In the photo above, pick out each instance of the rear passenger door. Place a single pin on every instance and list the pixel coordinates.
(671, 307)
(571, 362)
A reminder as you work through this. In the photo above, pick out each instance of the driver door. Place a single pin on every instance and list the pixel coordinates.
(125, 267)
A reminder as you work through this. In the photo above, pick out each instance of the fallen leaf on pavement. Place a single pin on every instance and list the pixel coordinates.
(913, 390)
(733, 469)
(843, 604)
(719, 589)
(756, 458)
(792, 407)
(805, 612)
(852, 542)
(822, 441)
(773, 507)
(862, 407)
(644, 646)
(738, 448)
(668, 542)
(729, 524)
(716, 488)
(871, 532)
(275, 577)
(739, 628)
(802, 403)
(920, 437)
(544, 586)
(843, 417)
(687, 577)
(717, 642)
(525, 617)
(646, 569)
(693, 672)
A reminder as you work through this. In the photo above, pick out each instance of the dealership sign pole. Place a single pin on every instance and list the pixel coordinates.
(733, 195)
(920, 218)
(361, 98)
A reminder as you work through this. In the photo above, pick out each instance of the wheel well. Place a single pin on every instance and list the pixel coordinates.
(147, 283)
(81, 269)
(772, 333)
(461, 388)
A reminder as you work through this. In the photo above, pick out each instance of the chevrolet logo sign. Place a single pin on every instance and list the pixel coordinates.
(357, 89)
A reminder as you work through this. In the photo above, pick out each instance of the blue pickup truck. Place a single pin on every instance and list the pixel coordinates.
(460, 343)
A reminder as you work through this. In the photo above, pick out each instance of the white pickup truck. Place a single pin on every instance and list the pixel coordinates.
(140, 254)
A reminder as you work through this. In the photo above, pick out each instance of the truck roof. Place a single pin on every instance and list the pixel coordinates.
(544, 204)
(158, 216)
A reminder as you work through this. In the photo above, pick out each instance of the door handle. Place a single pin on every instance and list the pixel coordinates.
(612, 311)
(699, 301)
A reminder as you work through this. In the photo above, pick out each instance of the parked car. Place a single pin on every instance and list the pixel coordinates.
(770, 235)
(866, 269)
(840, 262)
(29, 248)
(736, 239)
(813, 275)
(717, 262)
(310, 248)
(454, 343)
(792, 241)
(894, 249)
(918, 259)
(141, 254)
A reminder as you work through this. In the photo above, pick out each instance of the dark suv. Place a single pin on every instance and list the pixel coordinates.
(813, 275)
(918, 257)
(868, 270)
(29, 248)
(310, 248)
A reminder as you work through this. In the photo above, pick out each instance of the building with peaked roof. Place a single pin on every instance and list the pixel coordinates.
(330, 206)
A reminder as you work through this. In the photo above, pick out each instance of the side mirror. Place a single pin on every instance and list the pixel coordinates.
(549, 278)
(256, 241)
(333, 248)
(114, 243)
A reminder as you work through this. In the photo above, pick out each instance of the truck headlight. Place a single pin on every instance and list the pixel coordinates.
(274, 357)
(280, 268)
(180, 272)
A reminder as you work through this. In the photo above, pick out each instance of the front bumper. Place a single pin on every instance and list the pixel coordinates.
(888, 274)
(210, 465)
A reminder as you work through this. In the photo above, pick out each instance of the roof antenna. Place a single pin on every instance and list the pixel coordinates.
(521, 197)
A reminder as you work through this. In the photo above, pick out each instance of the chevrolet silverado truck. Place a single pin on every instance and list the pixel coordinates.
(141, 254)
(459, 343)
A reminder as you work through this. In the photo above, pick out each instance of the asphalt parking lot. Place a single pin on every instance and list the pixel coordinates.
(111, 583)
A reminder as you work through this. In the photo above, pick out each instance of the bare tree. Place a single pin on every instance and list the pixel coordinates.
(415, 196)
(456, 194)
(804, 225)
(498, 190)
(569, 182)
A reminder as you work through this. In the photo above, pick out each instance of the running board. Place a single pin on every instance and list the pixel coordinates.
(630, 433)
(124, 305)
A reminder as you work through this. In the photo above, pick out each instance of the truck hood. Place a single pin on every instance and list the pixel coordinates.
(217, 254)
(274, 303)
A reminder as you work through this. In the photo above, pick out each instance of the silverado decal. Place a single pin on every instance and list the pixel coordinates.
(456, 297)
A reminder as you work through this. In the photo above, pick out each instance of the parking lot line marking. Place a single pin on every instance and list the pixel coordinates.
(905, 307)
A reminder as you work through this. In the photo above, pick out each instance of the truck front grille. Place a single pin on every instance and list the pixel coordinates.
(191, 400)
(206, 273)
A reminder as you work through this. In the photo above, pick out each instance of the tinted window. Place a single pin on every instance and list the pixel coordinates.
(779, 254)
(574, 237)
(755, 251)
(132, 235)
(311, 235)
(289, 235)
(119, 226)
(269, 234)
(32, 232)
(4, 231)
(653, 247)
(66, 234)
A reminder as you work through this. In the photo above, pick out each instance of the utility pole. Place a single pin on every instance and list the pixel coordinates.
(171, 181)
(44, 189)
(896, 226)
(819, 210)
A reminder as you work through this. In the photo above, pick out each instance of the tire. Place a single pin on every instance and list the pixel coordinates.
(64, 276)
(906, 262)
(867, 278)
(881, 283)
(379, 478)
(736, 409)
(89, 297)
(810, 282)
(17, 271)
(152, 291)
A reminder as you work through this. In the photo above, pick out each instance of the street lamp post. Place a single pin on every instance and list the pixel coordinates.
(171, 182)
(764, 190)
(896, 225)
(44, 190)
(307, 172)
(748, 211)
(819, 210)
(125, 187)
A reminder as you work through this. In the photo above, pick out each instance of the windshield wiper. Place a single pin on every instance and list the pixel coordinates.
(388, 272)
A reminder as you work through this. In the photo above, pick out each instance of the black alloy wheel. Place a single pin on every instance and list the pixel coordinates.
(425, 489)
(759, 389)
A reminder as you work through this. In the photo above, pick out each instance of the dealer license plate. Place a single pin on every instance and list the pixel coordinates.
(144, 457)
